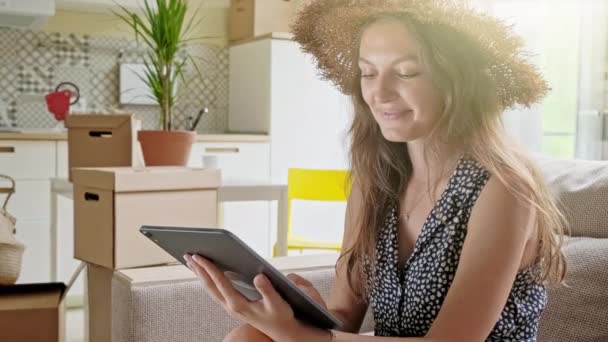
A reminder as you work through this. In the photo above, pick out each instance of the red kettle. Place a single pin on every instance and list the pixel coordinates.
(59, 101)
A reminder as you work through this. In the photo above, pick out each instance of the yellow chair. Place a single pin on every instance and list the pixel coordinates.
(314, 185)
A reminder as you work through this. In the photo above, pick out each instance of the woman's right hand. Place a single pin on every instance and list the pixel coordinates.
(308, 288)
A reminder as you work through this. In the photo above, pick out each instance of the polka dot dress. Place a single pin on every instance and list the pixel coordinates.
(405, 301)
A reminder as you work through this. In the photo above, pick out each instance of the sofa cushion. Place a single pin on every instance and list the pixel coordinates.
(579, 310)
(581, 187)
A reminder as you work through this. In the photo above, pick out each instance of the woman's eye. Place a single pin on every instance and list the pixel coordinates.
(409, 75)
(367, 75)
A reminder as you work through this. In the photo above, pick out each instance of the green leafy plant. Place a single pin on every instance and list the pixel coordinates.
(165, 31)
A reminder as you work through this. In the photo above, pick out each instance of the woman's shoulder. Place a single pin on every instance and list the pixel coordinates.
(498, 198)
(469, 178)
(492, 190)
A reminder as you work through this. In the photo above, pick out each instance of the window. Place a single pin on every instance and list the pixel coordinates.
(567, 40)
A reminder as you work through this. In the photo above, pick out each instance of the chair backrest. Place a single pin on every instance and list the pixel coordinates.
(316, 185)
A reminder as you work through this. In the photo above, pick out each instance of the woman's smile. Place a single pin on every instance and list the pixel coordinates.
(395, 115)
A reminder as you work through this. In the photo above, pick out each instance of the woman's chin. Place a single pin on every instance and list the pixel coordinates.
(397, 137)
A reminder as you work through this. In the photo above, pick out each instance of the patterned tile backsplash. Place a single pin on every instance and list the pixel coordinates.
(33, 63)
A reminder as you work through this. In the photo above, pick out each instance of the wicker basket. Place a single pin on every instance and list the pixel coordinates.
(10, 263)
(11, 250)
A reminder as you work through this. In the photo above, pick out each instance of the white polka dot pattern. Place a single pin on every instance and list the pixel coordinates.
(405, 301)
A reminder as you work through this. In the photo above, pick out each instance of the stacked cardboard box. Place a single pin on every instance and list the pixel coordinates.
(251, 18)
(110, 206)
(96, 140)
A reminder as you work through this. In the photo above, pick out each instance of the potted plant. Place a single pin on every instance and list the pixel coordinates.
(164, 30)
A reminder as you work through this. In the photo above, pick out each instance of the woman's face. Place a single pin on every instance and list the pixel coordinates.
(394, 84)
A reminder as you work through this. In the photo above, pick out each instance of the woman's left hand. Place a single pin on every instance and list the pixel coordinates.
(271, 314)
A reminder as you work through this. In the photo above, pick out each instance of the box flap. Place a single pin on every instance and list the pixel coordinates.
(97, 120)
(157, 178)
(31, 296)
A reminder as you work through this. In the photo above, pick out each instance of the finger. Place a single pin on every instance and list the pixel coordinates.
(234, 300)
(188, 260)
(265, 288)
(298, 280)
(208, 284)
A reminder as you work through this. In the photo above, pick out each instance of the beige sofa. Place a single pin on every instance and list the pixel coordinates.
(168, 304)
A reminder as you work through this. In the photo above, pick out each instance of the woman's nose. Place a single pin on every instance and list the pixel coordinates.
(384, 89)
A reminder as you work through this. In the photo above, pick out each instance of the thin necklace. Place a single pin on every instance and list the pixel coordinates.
(407, 213)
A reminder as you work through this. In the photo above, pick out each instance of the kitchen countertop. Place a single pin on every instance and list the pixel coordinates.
(57, 136)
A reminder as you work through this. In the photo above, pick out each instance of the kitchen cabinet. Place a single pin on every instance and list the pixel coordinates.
(31, 200)
(31, 164)
(35, 234)
(62, 157)
(27, 160)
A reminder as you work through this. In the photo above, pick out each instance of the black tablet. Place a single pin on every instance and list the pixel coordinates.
(240, 264)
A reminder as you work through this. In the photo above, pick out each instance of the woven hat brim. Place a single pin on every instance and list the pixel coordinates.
(329, 30)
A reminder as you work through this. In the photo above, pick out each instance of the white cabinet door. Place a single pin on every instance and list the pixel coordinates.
(243, 163)
(31, 200)
(27, 160)
(35, 235)
(31, 164)
(62, 159)
(239, 162)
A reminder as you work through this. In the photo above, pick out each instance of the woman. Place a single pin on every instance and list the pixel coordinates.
(450, 233)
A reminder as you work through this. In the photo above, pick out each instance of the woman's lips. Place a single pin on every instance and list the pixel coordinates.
(395, 115)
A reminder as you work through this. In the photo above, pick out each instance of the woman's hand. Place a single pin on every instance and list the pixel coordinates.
(271, 314)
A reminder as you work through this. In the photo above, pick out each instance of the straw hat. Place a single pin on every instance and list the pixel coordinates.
(328, 29)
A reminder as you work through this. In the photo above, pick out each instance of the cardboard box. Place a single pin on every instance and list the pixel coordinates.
(34, 312)
(111, 205)
(250, 18)
(102, 140)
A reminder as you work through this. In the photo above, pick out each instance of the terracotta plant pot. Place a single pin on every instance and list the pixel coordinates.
(166, 148)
